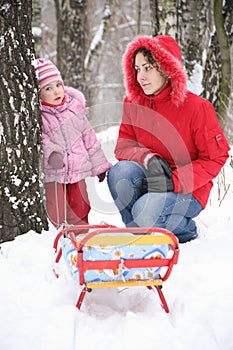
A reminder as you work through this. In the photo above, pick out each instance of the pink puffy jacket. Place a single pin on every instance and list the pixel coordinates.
(66, 130)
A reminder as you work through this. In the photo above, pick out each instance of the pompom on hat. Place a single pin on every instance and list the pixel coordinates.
(47, 72)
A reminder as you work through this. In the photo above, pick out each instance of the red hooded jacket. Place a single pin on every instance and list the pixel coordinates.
(176, 124)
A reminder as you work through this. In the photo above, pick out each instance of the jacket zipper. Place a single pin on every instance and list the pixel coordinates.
(152, 102)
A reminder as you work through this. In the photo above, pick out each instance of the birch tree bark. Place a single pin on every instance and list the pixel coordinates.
(195, 25)
(21, 205)
(165, 16)
(187, 22)
(228, 20)
(224, 48)
(217, 72)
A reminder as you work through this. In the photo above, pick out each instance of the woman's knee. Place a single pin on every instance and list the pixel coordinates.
(124, 170)
(117, 170)
(143, 212)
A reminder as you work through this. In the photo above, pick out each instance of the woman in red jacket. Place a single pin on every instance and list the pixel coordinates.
(170, 144)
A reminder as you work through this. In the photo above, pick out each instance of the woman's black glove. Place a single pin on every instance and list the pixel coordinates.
(158, 183)
(158, 166)
(159, 176)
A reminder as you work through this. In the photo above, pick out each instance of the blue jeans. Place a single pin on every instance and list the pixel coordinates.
(173, 211)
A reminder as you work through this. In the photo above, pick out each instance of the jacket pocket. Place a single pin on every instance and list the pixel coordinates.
(216, 142)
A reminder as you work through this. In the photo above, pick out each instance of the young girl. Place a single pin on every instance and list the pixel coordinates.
(71, 149)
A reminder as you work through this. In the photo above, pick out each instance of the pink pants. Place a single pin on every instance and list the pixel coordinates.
(76, 207)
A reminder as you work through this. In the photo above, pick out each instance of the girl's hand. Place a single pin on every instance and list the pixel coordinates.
(56, 160)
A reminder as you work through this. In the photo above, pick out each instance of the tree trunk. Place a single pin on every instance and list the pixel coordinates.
(228, 20)
(71, 36)
(98, 40)
(224, 48)
(186, 22)
(36, 26)
(20, 130)
(164, 16)
(139, 17)
(211, 75)
(194, 20)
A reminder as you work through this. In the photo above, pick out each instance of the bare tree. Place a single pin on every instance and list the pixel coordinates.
(194, 28)
(164, 16)
(139, 17)
(36, 25)
(228, 20)
(217, 72)
(211, 73)
(98, 40)
(122, 20)
(20, 130)
(96, 44)
(71, 41)
(224, 48)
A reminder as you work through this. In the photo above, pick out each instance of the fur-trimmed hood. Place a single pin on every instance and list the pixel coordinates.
(167, 52)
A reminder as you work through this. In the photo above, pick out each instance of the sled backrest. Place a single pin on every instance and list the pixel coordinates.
(116, 249)
(107, 256)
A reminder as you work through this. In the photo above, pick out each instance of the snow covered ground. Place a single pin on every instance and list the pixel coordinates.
(37, 310)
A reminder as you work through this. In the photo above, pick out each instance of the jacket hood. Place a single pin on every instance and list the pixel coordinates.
(167, 53)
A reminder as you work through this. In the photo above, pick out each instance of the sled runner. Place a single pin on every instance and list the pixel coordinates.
(105, 256)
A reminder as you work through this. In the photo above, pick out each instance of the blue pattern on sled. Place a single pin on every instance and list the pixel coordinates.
(117, 252)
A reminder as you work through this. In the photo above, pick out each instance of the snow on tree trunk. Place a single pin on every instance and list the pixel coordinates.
(187, 22)
(164, 16)
(195, 18)
(21, 205)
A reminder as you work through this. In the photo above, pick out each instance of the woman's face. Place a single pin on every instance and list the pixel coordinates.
(149, 78)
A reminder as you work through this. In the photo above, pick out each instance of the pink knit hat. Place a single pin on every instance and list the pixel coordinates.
(47, 72)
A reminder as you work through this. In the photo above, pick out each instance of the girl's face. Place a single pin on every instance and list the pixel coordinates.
(149, 78)
(52, 93)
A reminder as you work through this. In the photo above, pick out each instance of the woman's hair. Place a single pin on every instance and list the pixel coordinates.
(150, 59)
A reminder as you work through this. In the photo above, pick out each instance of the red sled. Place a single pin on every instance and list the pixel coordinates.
(105, 256)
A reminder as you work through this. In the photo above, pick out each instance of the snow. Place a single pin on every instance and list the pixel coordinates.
(37, 32)
(194, 83)
(38, 312)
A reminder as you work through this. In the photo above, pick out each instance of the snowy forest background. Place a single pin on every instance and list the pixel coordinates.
(87, 39)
